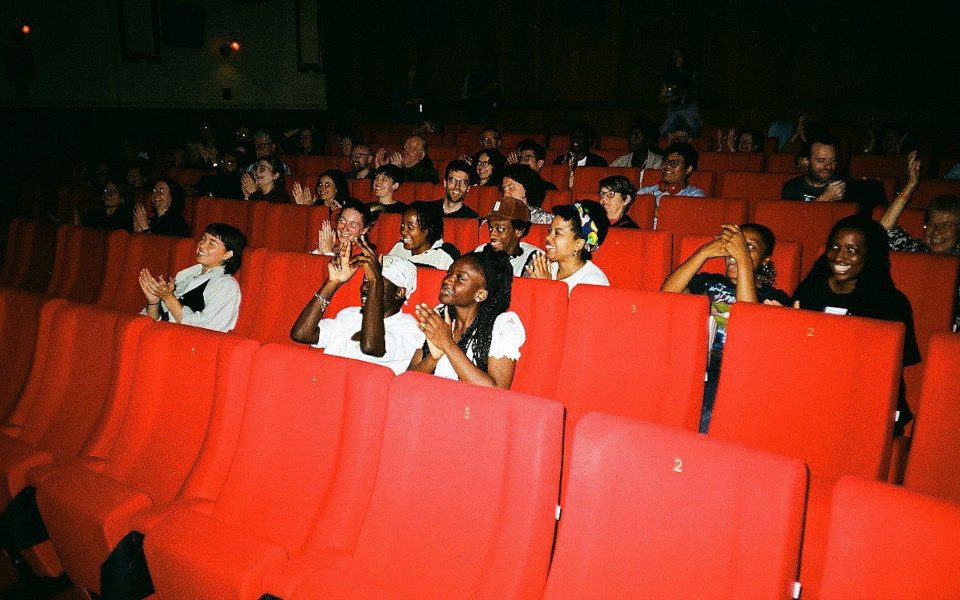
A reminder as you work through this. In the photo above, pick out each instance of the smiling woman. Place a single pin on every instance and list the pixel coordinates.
(853, 278)
(206, 294)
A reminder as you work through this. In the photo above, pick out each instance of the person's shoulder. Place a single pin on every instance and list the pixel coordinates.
(692, 190)
(647, 189)
(595, 160)
(768, 292)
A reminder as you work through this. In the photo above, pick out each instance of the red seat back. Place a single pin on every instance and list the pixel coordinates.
(642, 210)
(558, 175)
(586, 180)
(161, 254)
(462, 233)
(878, 165)
(817, 387)
(928, 189)
(635, 259)
(221, 210)
(754, 186)
(782, 162)
(84, 255)
(887, 542)
(21, 314)
(935, 433)
(289, 227)
(685, 215)
(634, 523)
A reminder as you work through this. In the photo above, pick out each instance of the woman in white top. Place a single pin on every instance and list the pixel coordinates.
(472, 337)
(577, 231)
(421, 237)
(206, 294)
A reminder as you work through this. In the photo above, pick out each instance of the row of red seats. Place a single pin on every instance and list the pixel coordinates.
(101, 267)
(391, 489)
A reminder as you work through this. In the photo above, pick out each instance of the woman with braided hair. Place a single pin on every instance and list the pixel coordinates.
(576, 233)
(472, 336)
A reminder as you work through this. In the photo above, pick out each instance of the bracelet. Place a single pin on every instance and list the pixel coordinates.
(324, 303)
(153, 303)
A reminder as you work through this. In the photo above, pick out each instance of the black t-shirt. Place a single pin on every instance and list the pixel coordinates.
(867, 193)
(170, 224)
(221, 185)
(625, 222)
(397, 207)
(464, 212)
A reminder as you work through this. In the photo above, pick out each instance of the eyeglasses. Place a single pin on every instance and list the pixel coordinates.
(672, 163)
(483, 163)
(359, 154)
(607, 194)
(458, 182)
(942, 225)
(111, 193)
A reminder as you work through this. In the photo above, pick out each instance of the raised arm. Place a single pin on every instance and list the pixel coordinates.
(890, 218)
(305, 328)
(680, 278)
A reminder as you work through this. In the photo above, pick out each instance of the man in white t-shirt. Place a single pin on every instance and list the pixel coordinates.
(377, 331)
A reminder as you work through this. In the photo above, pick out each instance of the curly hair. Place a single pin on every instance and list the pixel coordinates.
(498, 277)
(339, 179)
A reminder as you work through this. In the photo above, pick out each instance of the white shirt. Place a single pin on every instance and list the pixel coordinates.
(402, 338)
(436, 256)
(507, 337)
(520, 261)
(588, 273)
(653, 161)
(221, 298)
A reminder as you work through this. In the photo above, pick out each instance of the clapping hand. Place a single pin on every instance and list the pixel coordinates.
(248, 185)
(539, 267)
(302, 194)
(437, 329)
(140, 220)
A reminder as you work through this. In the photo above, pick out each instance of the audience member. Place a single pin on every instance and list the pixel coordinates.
(748, 251)
(137, 177)
(168, 204)
(225, 183)
(472, 336)
(679, 93)
(747, 140)
(508, 223)
(582, 139)
(377, 331)
(680, 162)
(853, 278)
(386, 181)
(533, 155)
(264, 146)
(823, 183)
(361, 163)
(115, 210)
(488, 165)
(332, 190)
(206, 294)
(421, 237)
(522, 183)
(353, 221)
(616, 194)
(456, 182)
(891, 139)
(575, 234)
(413, 159)
(490, 138)
(641, 139)
(301, 141)
(267, 182)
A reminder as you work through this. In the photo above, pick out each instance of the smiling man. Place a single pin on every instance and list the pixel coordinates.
(680, 162)
(456, 182)
(824, 183)
(509, 223)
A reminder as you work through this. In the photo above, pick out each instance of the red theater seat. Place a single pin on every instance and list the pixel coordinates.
(586, 180)
(412, 191)
(78, 384)
(509, 141)
(806, 222)
(635, 259)
(361, 189)
(654, 512)
(558, 175)
(464, 499)
(935, 434)
(928, 189)
(685, 215)
(220, 210)
(326, 415)
(754, 186)
(385, 232)
(174, 446)
(816, 387)
(879, 165)
(29, 258)
(911, 219)
(84, 255)
(723, 162)
(642, 210)
(20, 316)
(462, 233)
(887, 542)
(556, 198)
(633, 353)
(289, 227)
(163, 255)
(782, 162)
(277, 287)
(786, 260)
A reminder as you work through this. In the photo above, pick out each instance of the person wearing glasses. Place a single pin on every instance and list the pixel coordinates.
(225, 183)
(361, 163)
(456, 182)
(168, 203)
(941, 224)
(616, 194)
(489, 167)
(116, 210)
(680, 162)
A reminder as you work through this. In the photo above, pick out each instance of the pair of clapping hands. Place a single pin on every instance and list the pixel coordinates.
(155, 288)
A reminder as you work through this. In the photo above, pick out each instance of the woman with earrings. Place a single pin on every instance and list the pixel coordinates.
(575, 234)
